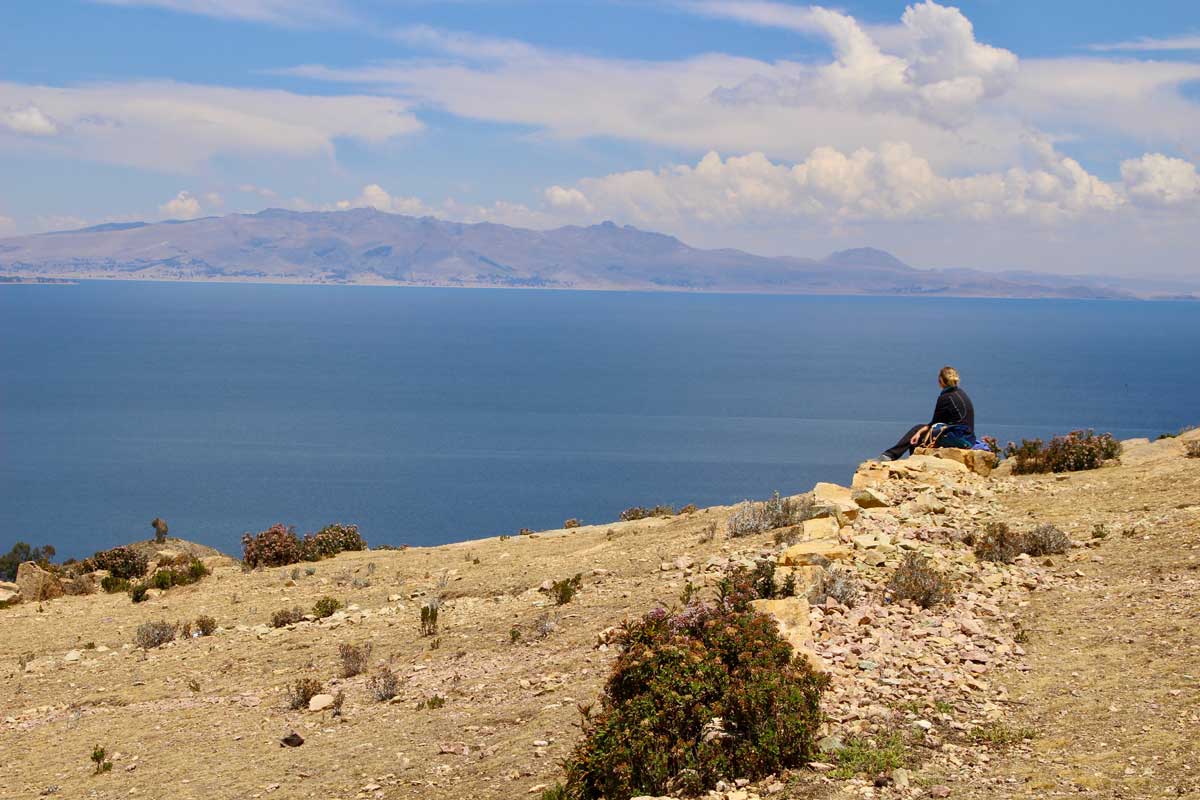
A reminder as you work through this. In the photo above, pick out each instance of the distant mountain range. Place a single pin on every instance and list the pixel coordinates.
(369, 246)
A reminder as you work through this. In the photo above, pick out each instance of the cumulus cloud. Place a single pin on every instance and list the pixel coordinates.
(1156, 179)
(890, 183)
(375, 196)
(176, 127)
(28, 120)
(935, 68)
(184, 205)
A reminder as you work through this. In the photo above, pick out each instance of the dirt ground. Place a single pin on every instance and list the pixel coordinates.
(1110, 699)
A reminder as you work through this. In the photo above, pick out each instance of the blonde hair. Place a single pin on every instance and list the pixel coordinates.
(948, 376)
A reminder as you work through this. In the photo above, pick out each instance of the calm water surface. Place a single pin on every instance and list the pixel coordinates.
(429, 415)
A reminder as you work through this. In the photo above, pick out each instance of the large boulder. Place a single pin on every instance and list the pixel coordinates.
(37, 584)
(791, 617)
(981, 462)
(818, 552)
(9, 593)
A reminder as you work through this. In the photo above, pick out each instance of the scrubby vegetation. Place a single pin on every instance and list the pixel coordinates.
(999, 543)
(286, 616)
(301, 691)
(384, 684)
(711, 692)
(429, 618)
(777, 512)
(112, 584)
(1192, 449)
(355, 658)
(155, 634)
(916, 580)
(121, 562)
(325, 607)
(765, 584)
(840, 583)
(101, 760)
(1077, 450)
(205, 625)
(639, 512)
(279, 546)
(160, 529)
(573, 523)
(563, 591)
(1046, 540)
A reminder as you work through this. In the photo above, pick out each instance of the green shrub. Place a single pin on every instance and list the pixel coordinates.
(331, 540)
(154, 634)
(1045, 540)
(325, 607)
(112, 584)
(708, 693)
(121, 562)
(572, 523)
(101, 760)
(563, 591)
(205, 625)
(384, 684)
(1077, 450)
(287, 616)
(919, 582)
(277, 546)
(138, 592)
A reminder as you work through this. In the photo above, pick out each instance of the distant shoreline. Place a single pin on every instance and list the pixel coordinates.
(74, 278)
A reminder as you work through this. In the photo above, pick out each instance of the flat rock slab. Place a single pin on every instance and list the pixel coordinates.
(815, 553)
(981, 462)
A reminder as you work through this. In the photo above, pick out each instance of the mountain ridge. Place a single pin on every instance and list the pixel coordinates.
(371, 246)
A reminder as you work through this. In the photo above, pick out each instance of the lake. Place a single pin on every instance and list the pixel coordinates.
(435, 415)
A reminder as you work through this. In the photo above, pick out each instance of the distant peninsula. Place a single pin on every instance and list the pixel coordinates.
(365, 246)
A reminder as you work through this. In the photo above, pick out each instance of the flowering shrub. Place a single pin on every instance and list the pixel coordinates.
(121, 562)
(710, 692)
(1078, 450)
(277, 546)
(331, 540)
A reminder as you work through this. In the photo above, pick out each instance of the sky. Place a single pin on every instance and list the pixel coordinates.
(995, 134)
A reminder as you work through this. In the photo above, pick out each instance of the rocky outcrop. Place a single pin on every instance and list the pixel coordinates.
(37, 584)
(981, 462)
(9, 593)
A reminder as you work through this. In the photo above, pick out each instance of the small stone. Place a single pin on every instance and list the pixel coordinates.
(293, 739)
(540, 743)
(939, 791)
(900, 778)
(830, 744)
(923, 724)
(72, 656)
(320, 702)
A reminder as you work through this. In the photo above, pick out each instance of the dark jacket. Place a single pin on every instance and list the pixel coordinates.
(954, 408)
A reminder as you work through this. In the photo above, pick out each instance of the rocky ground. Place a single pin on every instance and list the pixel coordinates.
(1069, 674)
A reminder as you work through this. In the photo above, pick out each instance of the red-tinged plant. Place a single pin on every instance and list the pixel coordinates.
(277, 546)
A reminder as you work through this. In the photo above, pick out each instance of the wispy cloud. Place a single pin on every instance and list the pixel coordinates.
(1147, 44)
(286, 13)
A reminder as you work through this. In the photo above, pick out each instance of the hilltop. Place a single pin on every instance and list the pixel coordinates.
(365, 246)
(1050, 675)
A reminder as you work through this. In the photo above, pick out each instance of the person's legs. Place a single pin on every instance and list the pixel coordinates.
(904, 445)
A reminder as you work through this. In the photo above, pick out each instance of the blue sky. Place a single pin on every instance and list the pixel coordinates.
(1060, 136)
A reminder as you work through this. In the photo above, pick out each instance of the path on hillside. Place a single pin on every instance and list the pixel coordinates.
(1112, 698)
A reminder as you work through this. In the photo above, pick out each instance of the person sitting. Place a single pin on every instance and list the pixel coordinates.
(953, 423)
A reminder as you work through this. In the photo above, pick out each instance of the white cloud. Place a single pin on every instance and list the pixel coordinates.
(28, 120)
(288, 13)
(1147, 44)
(261, 191)
(177, 127)
(888, 184)
(1156, 179)
(375, 196)
(182, 206)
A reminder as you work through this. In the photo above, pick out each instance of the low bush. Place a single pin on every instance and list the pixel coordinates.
(638, 512)
(301, 691)
(840, 583)
(765, 584)
(206, 625)
(180, 574)
(778, 512)
(154, 634)
(916, 580)
(325, 607)
(709, 693)
(137, 593)
(101, 760)
(286, 616)
(1045, 540)
(1191, 449)
(432, 702)
(355, 658)
(429, 618)
(112, 584)
(572, 523)
(1077, 450)
(331, 540)
(277, 546)
(690, 508)
(997, 543)
(121, 562)
(563, 591)
(384, 684)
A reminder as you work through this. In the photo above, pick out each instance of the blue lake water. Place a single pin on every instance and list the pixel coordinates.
(431, 415)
